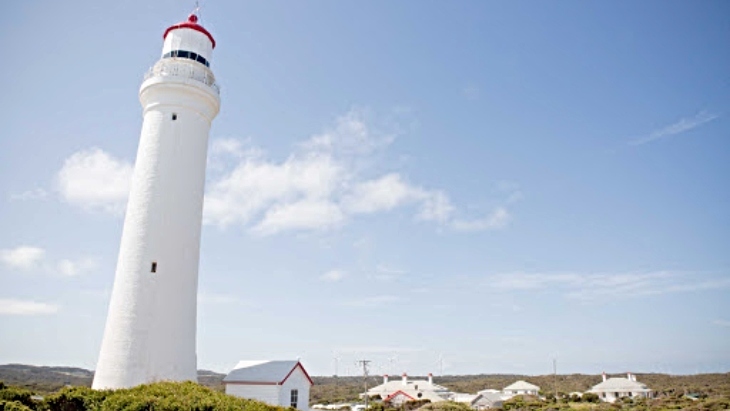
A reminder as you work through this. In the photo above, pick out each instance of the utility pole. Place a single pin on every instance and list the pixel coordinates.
(365, 364)
(555, 378)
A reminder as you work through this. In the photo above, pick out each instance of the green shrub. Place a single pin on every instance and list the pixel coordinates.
(15, 394)
(163, 396)
(13, 406)
(591, 397)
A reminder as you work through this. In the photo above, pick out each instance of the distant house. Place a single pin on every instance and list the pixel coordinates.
(521, 388)
(480, 401)
(408, 390)
(611, 389)
(399, 397)
(283, 383)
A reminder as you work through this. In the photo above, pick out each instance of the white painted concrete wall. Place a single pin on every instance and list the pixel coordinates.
(275, 394)
(151, 326)
(188, 40)
(266, 393)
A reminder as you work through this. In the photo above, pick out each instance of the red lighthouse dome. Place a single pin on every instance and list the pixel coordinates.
(191, 23)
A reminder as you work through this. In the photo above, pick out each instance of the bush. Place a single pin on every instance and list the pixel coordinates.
(163, 396)
(13, 406)
(14, 394)
(591, 397)
(75, 399)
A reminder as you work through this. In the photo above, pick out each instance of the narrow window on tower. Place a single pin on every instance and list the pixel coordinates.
(154, 267)
(174, 116)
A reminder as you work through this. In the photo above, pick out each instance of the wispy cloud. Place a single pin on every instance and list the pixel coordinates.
(73, 268)
(333, 276)
(377, 349)
(23, 257)
(34, 194)
(26, 307)
(590, 287)
(499, 218)
(722, 323)
(681, 126)
(387, 273)
(223, 299)
(375, 301)
(28, 257)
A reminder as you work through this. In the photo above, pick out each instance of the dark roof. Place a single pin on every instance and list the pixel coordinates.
(264, 372)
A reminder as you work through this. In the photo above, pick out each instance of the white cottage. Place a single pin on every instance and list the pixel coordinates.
(283, 383)
(521, 388)
(611, 389)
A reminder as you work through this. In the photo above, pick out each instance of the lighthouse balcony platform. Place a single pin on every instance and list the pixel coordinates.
(185, 71)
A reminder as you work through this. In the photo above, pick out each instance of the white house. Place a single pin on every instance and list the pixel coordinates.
(284, 383)
(521, 388)
(402, 390)
(611, 389)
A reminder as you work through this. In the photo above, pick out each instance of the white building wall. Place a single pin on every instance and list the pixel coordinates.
(188, 40)
(297, 380)
(151, 326)
(266, 393)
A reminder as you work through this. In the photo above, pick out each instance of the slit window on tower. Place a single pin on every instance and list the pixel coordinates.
(187, 55)
(153, 269)
(174, 116)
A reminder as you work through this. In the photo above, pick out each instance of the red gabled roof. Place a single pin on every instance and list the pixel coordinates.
(299, 365)
(395, 394)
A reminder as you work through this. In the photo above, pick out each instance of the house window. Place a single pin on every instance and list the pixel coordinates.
(294, 398)
(174, 116)
(153, 269)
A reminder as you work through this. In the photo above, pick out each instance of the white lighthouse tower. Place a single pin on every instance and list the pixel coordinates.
(150, 329)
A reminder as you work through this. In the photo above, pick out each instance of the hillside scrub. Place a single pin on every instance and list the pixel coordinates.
(162, 396)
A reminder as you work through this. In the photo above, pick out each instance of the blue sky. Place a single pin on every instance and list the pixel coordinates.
(478, 187)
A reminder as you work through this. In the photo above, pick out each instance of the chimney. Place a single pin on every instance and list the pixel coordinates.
(430, 378)
(604, 376)
(385, 379)
(405, 379)
(628, 376)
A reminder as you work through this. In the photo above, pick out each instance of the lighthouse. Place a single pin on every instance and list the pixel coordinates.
(151, 323)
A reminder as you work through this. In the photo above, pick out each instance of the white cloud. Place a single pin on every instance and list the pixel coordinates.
(27, 257)
(96, 181)
(73, 268)
(302, 215)
(499, 218)
(599, 287)
(25, 307)
(333, 276)
(382, 194)
(319, 186)
(681, 126)
(23, 257)
(255, 186)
